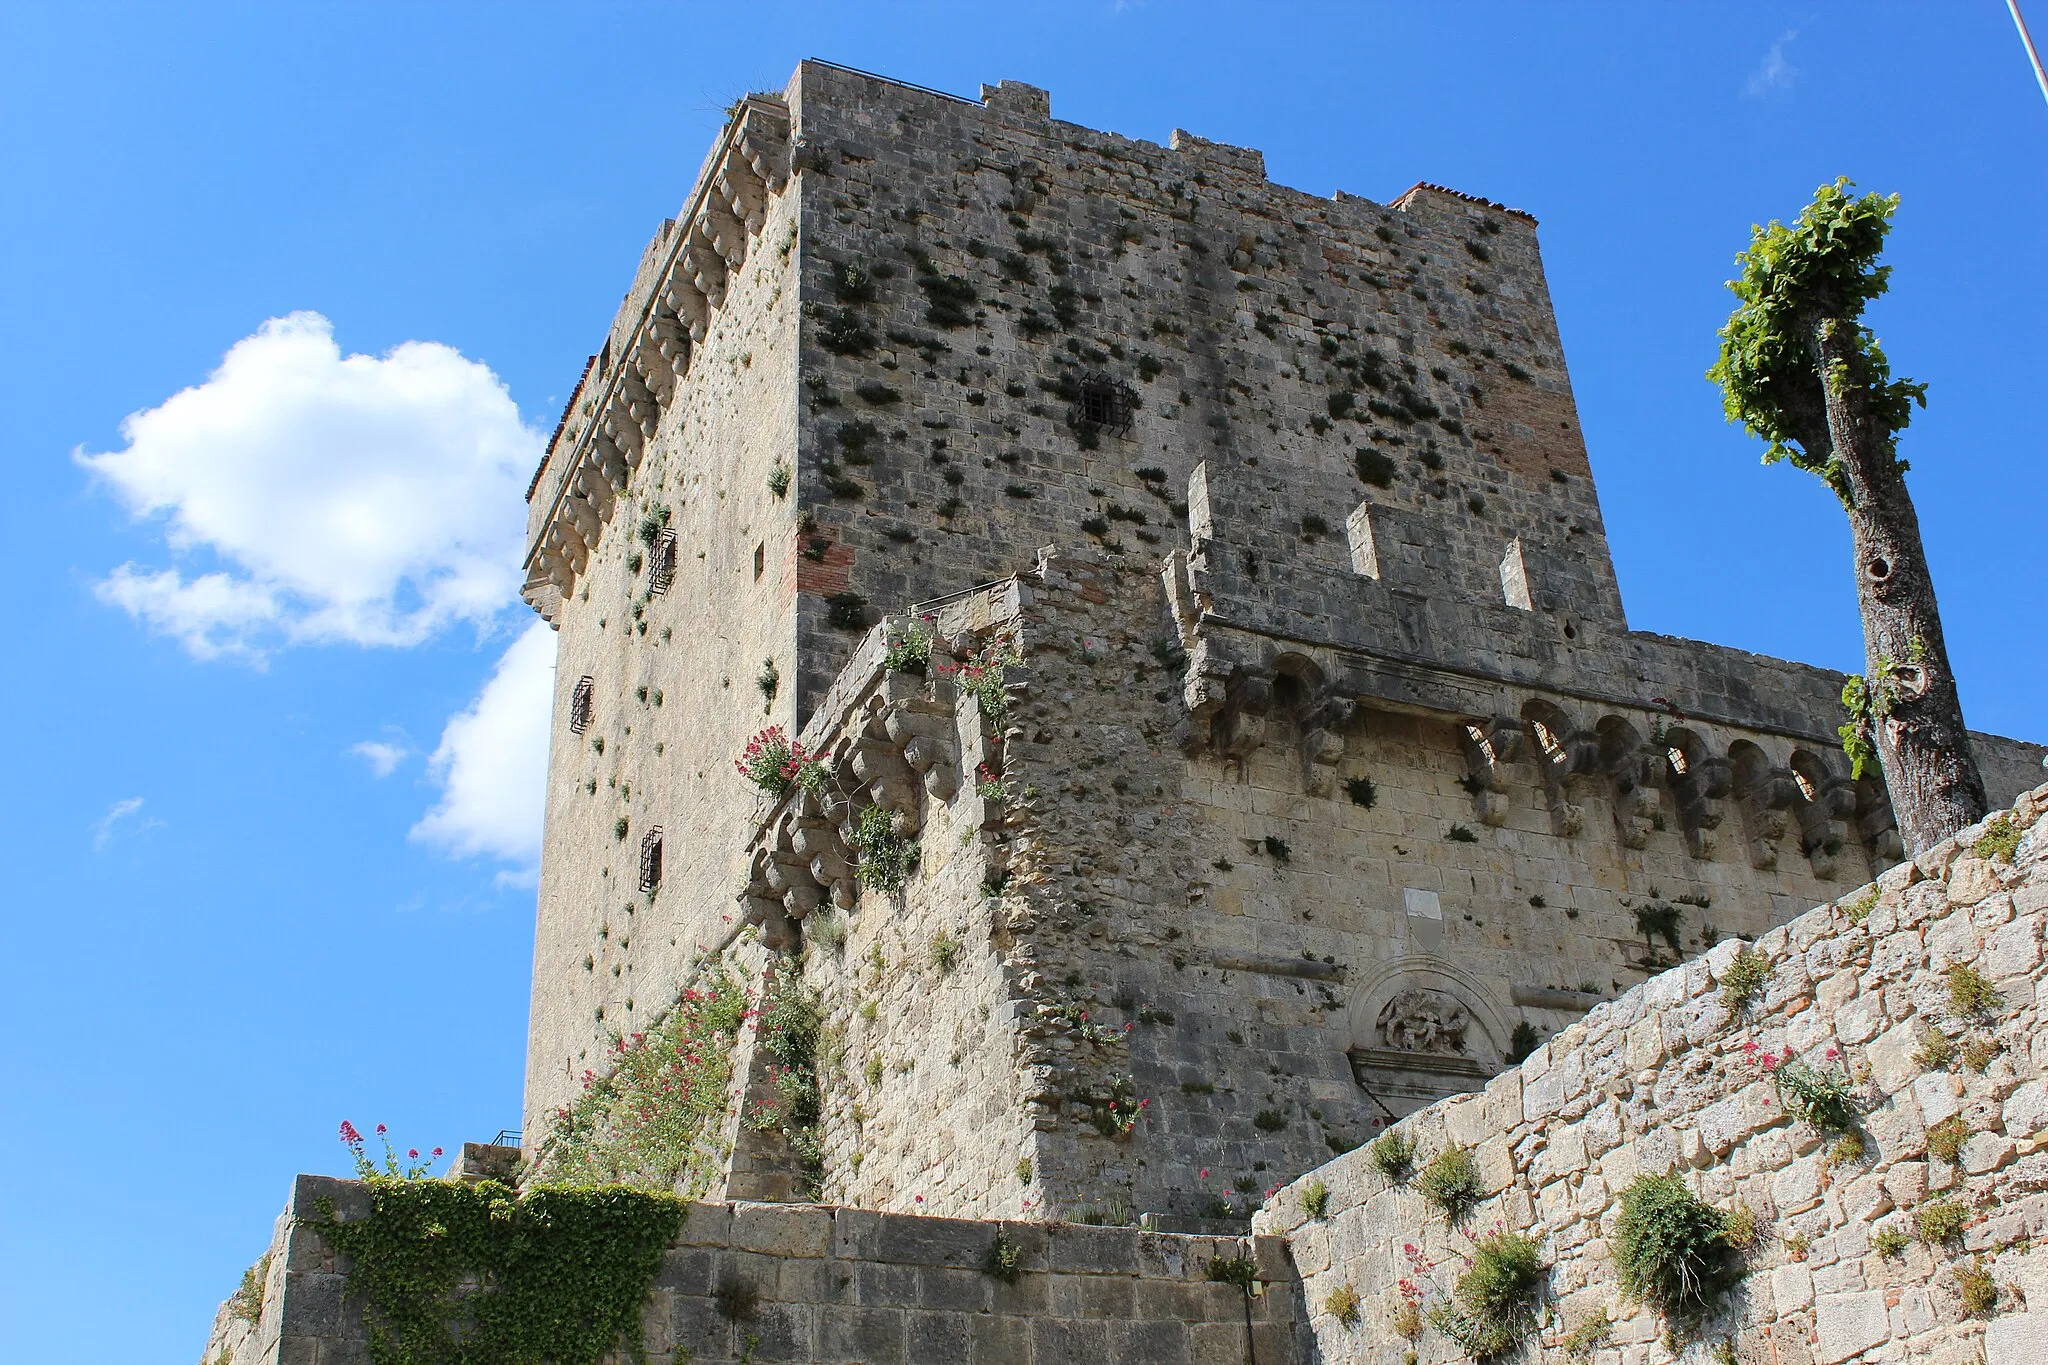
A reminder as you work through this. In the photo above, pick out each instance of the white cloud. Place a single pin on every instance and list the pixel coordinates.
(492, 761)
(103, 829)
(363, 499)
(383, 757)
(1774, 75)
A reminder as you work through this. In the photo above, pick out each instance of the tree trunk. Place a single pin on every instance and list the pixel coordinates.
(1916, 719)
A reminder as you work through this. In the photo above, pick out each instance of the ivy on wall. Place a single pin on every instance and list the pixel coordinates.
(455, 1274)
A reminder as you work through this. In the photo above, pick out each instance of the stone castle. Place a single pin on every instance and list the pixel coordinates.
(1283, 768)
(1333, 761)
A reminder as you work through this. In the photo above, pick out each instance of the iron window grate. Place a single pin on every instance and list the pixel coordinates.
(661, 564)
(579, 704)
(650, 859)
(1105, 404)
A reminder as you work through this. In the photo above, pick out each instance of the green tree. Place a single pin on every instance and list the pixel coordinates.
(1799, 370)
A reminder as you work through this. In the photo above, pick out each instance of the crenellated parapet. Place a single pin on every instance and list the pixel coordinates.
(576, 492)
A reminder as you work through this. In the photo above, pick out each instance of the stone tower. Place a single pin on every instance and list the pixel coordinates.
(1323, 774)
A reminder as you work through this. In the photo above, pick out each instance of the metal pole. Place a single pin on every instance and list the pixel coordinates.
(2040, 76)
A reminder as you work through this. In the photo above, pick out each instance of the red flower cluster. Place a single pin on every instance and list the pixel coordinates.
(773, 761)
(349, 1134)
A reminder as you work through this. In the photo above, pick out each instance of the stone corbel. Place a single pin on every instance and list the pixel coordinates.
(595, 489)
(1489, 747)
(706, 268)
(642, 404)
(624, 434)
(1322, 743)
(650, 368)
(726, 233)
(741, 186)
(610, 462)
(1240, 724)
(892, 782)
(1699, 792)
(1766, 806)
(690, 305)
(764, 142)
(1824, 823)
(670, 340)
(928, 740)
(1636, 773)
(569, 546)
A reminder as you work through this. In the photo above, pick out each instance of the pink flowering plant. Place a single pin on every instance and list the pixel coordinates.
(775, 763)
(1820, 1095)
(652, 1119)
(413, 1167)
(990, 787)
(981, 676)
(909, 647)
(1117, 1113)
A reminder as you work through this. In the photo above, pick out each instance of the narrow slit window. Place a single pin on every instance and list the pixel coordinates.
(1678, 763)
(661, 563)
(650, 859)
(1547, 741)
(579, 704)
(760, 560)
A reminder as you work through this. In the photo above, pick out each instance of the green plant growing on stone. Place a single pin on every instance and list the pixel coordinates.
(1004, 1258)
(1977, 1290)
(1935, 1050)
(1342, 1304)
(1858, 910)
(1523, 1041)
(1670, 1249)
(1844, 1151)
(1241, 1271)
(1999, 841)
(1945, 1139)
(908, 649)
(778, 480)
(1024, 1171)
(1977, 1054)
(1658, 919)
(1747, 973)
(1587, 1335)
(647, 1123)
(1459, 834)
(872, 1072)
(791, 1022)
(883, 859)
(454, 1274)
(1739, 1227)
(1362, 792)
(1820, 1097)
(944, 952)
(1269, 1121)
(247, 1303)
(1450, 1183)
(1889, 1243)
(1492, 1308)
(1799, 370)
(1315, 1198)
(768, 682)
(1277, 849)
(1393, 1155)
(1940, 1222)
(981, 677)
(1970, 995)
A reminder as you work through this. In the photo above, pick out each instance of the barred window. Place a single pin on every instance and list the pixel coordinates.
(579, 705)
(1105, 404)
(661, 563)
(650, 859)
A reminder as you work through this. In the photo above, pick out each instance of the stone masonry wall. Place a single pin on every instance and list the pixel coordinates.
(1662, 1080)
(673, 672)
(862, 1288)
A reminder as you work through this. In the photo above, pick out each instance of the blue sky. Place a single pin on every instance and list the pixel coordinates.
(267, 825)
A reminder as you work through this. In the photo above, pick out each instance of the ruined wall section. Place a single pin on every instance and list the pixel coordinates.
(1952, 1121)
(1339, 350)
(662, 527)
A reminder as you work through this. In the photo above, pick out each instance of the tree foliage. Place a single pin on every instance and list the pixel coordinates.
(1816, 274)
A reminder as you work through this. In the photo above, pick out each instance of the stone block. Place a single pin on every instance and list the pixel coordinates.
(1849, 1324)
(875, 1336)
(1082, 1249)
(954, 1290)
(939, 1336)
(782, 1229)
(1791, 1287)
(913, 1240)
(2016, 1339)
(1938, 1095)
(1000, 1340)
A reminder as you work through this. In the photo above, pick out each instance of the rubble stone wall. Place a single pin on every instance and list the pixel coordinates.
(1663, 1080)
